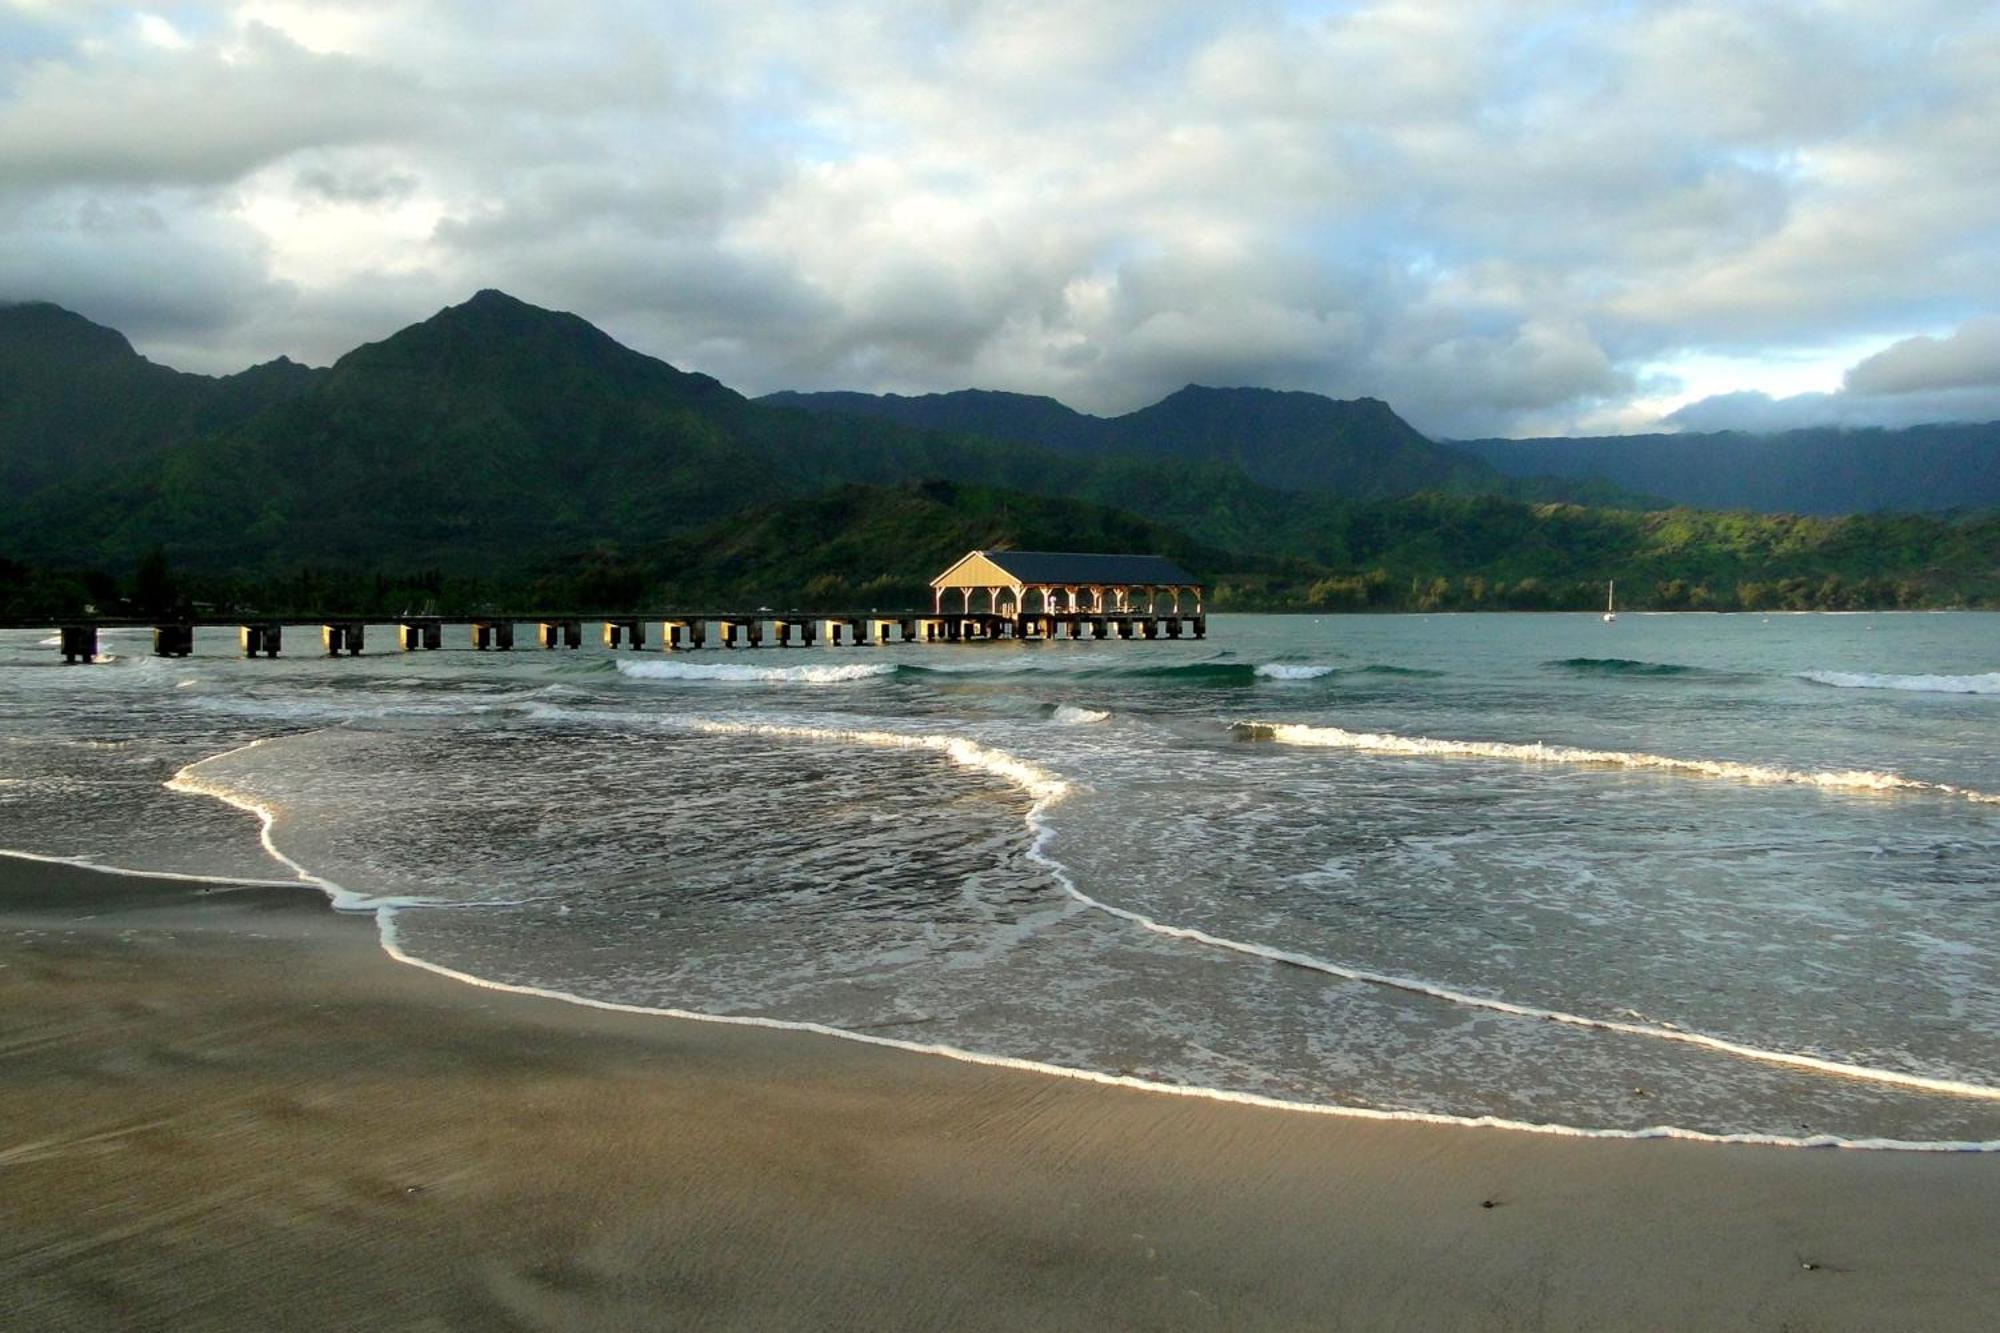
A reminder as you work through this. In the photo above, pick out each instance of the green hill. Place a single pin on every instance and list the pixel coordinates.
(1821, 471)
(74, 396)
(1358, 449)
(498, 450)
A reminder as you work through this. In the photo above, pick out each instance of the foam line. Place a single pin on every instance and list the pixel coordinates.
(98, 867)
(763, 675)
(1047, 789)
(1289, 733)
(343, 899)
(1986, 683)
(393, 948)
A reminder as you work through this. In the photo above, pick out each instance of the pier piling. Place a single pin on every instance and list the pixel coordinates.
(79, 643)
(341, 636)
(264, 637)
(173, 640)
(561, 633)
(420, 632)
(495, 634)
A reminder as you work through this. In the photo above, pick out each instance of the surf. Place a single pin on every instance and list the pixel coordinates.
(1983, 683)
(1045, 790)
(1540, 752)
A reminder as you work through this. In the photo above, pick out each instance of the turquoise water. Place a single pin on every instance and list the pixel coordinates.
(1726, 875)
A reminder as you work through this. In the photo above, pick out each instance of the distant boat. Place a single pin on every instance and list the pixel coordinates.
(1610, 601)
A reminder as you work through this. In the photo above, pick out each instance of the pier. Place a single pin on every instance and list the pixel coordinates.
(676, 631)
(1022, 596)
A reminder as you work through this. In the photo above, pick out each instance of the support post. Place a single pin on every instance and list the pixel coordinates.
(420, 632)
(267, 638)
(79, 643)
(173, 640)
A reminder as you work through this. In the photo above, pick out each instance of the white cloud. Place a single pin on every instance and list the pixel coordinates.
(1500, 218)
(1967, 359)
(1952, 378)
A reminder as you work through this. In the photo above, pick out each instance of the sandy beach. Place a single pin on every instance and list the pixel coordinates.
(226, 1108)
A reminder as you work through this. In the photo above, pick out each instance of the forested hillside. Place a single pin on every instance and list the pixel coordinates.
(498, 452)
(1924, 469)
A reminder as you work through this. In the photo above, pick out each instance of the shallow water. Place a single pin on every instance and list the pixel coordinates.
(1731, 875)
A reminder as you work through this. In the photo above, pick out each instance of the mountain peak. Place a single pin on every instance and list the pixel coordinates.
(492, 298)
(45, 331)
(489, 327)
(522, 350)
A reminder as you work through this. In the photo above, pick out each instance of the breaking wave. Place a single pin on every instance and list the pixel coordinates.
(1537, 752)
(1072, 715)
(1294, 671)
(1986, 683)
(1046, 789)
(739, 671)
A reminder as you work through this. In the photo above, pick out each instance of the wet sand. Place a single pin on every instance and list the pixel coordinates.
(228, 1109)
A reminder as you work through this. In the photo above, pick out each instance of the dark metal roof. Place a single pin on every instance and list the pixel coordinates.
(1067, 567)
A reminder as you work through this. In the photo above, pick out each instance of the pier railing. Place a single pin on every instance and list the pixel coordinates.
(673, 631)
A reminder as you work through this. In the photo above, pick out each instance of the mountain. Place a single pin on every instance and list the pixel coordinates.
(498, 452)
(1356, 449)
(1018, 417)
(492, 431)
(75, 395)
(1921, 469)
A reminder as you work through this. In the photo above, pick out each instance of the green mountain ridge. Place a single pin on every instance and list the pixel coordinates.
(1355, 449)
(1824, 471)
(75, 395)
(497, 450)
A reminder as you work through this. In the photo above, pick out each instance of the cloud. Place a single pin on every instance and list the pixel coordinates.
(151, 111)
(1499, 218)
(1967, 359)
(1955, 378)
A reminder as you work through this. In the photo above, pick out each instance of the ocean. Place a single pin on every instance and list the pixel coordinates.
(1704, 876)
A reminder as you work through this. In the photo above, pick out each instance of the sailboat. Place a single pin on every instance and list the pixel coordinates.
(1611, 601)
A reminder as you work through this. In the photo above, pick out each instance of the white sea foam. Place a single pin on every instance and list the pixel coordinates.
(392, 947)
(738, 671)
(1071, 715)
(351, 708)
(1987, 683)
(1294, 671)
(191, 782)
(102, 868)
(1046, 789)
(1536, 752)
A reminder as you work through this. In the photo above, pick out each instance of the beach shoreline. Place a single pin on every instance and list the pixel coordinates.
(226, 1104)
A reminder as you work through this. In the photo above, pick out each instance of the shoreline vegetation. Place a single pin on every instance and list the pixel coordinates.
(608, 580)
(226, 1104)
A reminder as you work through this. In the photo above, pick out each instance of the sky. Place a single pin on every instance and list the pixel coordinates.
(1543, 217)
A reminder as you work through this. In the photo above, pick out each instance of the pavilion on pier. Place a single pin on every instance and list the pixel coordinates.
(1055, 583)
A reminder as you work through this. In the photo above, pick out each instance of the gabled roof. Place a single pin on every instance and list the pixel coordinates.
(1069, 567)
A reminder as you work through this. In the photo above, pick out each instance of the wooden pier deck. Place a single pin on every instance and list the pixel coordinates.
(672, 631)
